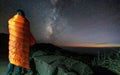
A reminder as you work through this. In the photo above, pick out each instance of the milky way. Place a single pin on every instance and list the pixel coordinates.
(68, 21)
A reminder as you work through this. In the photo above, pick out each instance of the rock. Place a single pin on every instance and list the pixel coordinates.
(60, 65)
(39, 53)
(46, 65)
(62, 71)
(52, 60)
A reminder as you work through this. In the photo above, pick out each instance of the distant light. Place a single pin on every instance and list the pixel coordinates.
(87, 45)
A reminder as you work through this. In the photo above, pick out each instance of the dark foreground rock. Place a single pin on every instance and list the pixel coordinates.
(59, 65)
(48, 59)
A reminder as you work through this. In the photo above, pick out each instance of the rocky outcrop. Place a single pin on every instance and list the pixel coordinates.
(51, 60)
(57, 64)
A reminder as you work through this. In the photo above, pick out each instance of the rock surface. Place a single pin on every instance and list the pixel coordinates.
(51, 64)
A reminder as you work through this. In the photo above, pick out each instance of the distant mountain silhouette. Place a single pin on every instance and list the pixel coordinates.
(4, 38)
(46, 46)
(53, 49)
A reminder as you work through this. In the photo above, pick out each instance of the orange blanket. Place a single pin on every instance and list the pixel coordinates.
(20, 39)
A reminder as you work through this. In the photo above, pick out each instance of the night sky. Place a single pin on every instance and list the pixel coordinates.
(68, 22)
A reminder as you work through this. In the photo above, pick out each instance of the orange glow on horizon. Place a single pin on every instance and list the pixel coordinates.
(87, 45)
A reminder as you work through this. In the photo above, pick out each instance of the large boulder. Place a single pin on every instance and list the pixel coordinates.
(59, 65)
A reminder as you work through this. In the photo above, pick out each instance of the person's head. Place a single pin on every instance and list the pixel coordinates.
(20, 12)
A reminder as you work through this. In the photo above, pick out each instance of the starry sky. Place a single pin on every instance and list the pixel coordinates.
(68, 22)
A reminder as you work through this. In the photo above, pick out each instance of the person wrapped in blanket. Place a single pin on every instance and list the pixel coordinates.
(20, 41)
